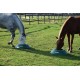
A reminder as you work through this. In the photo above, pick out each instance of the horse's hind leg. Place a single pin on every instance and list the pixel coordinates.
(12, 37)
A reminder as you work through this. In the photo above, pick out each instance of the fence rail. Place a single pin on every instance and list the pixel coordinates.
(45, 17)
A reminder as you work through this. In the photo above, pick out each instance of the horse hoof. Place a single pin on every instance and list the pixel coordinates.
(13, 46)
(9, 43)
(70, 51)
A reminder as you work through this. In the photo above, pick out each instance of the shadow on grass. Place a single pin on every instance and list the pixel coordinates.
(40, 30)
(47, 53)
(26, 33)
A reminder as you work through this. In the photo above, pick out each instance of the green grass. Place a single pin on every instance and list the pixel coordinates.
(42, 40)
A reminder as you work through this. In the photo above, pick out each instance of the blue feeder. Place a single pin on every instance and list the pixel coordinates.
(22, 46)
(60, 52)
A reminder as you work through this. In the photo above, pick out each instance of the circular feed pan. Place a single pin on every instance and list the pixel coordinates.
(60, 52)
(22, 46)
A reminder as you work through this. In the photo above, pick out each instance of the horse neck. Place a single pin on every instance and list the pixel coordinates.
(64, 29)
(21, 29)
(19, 24)
(62, 33)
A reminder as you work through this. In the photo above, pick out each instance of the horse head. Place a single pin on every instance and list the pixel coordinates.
(59, 43)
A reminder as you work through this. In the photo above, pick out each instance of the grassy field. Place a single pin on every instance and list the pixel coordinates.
(41, 38)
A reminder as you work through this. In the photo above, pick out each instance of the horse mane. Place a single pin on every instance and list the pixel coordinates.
(62, 32)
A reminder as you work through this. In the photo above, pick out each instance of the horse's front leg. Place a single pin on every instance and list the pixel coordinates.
(68, 36)
(12, 37)
(72, 38)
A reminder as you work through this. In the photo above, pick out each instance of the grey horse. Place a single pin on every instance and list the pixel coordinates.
(12, 22)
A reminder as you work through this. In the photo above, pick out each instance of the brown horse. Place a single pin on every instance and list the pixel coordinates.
(70, 27)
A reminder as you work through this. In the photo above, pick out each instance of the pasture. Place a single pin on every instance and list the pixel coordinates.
(41, 38)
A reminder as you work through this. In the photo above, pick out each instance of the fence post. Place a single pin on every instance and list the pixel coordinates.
(20, 16)
(38, 19)
(49, 18)
(25, 15)
(29, 20)
(62, 18)
(44, 19)
(54, 17)
(58, 17)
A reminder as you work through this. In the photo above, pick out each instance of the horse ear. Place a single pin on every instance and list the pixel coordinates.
(56, 37)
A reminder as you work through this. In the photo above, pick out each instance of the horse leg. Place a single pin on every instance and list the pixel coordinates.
(72, 38)
(68, 36)
(12, 37)
(22, 38)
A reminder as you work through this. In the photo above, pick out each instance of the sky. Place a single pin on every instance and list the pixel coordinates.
(39, 6)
